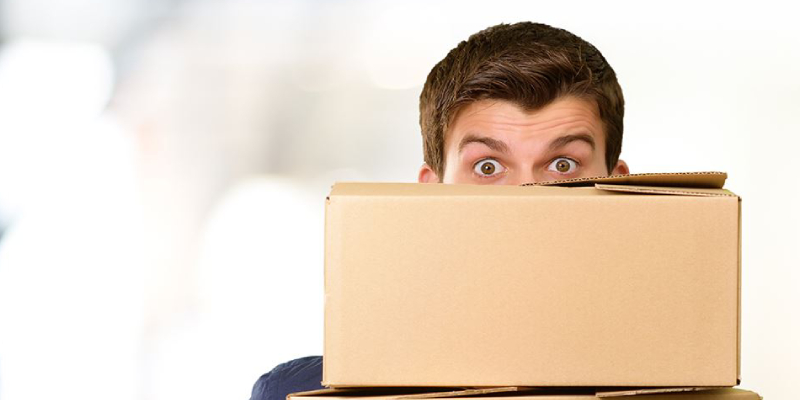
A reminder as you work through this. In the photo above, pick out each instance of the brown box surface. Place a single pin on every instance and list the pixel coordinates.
(631, 281)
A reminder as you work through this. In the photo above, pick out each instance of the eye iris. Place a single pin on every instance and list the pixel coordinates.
(487, 168)
(562, 166)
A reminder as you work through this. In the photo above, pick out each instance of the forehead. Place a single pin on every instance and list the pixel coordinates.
(501, 117)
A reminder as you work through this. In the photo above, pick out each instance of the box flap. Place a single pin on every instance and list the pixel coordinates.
(690, 183)
(681, 191)
(710, 180)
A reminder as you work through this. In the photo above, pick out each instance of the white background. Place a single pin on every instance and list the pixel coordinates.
(163, 166)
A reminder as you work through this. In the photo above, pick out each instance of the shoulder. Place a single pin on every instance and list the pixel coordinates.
(294, 376)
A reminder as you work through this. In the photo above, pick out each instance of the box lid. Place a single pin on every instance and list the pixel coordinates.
(680, 183)
(673, 183)
(706, 179)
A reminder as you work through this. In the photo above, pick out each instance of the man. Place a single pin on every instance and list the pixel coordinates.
(512, 104)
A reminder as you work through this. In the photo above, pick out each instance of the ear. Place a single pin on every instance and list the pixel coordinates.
(427, 175)
(620, 169)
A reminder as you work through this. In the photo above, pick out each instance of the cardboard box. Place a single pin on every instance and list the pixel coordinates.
(619, 281)
(516, 393)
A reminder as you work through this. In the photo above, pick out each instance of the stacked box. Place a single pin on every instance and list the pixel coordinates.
(627, 281)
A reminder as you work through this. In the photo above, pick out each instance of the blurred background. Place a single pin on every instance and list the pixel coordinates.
(164, 164)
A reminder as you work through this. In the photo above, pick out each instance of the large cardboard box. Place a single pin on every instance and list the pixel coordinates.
(618, 281)
(515, 393)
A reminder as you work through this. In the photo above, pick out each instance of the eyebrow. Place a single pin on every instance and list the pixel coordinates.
(493, 144)
(567, 139)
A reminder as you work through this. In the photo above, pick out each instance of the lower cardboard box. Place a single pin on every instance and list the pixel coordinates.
(523, 393)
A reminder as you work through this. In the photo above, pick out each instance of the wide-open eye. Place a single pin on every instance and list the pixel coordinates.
(488, 167)
(563, 165)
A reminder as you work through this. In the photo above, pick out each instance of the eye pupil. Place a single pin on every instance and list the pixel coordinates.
(487, 168)
(562, 166)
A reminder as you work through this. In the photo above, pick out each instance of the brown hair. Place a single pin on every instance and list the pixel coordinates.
(527, 63)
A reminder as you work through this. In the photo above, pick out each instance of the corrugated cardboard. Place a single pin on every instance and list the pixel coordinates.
(516, 393)
(631, 281)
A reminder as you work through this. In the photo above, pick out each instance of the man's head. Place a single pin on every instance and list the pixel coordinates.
(521, 103)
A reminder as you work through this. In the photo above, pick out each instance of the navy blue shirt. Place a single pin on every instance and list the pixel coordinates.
(297, 375)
